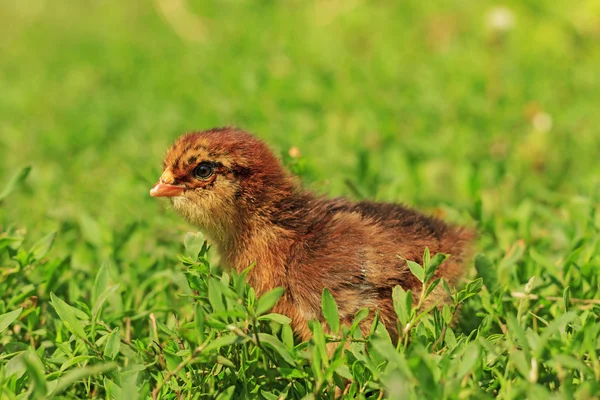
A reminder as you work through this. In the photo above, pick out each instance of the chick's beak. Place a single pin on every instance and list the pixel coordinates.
(166, 190)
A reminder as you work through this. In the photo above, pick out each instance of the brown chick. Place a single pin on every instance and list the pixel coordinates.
(229, 184)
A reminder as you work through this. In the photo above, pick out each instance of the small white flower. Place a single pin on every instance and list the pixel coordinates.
(500, 19)
(542, 122)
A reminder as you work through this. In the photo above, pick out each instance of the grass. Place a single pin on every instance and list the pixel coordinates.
(448, 106)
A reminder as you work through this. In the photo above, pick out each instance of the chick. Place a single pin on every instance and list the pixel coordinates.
(230, 185)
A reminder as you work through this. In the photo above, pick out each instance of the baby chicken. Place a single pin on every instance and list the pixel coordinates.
(229, 184)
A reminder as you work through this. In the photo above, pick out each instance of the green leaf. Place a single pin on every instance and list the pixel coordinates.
(386, 349)
(199, 322)
(194, 243)
(519, 360)
(268, 300)
(225, 361)
(282, 319)
(330, 311)
(15, 181)
(320, 350)
(67, 315)
(470, 290)
(557, 326)
(35, 367)
(276, 345)
(90, 229)
(42, 246)
(431, 287)
(101, 281)
(269, 395)
(570, 362)
(287, 334)
(113, 344)
(227, 394)
(567, 298)
(16, 366)
(9, 318)
(358, 317)
(426, 257)
(79, 374)
(416, 270)
(505, 267)
(215, 295)
(402, 302)
(516, 332)
(101, 299)
(223, 341)
(486, 270)
(433, 265)
(468, 360)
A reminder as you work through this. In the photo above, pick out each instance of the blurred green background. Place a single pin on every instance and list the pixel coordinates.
(476, 110)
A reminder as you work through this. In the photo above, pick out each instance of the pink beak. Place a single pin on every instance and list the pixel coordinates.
(166, 190)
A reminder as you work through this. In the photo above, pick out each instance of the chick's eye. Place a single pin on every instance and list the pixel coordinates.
(203, 171)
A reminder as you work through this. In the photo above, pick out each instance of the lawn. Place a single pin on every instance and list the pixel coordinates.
(485, 114)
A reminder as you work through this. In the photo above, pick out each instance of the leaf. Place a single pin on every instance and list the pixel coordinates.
(101, 281)
(226, 340)
(434, 264)
(386, 349)
(113, 344)
(15, 181)
(519, 360)
(276, 345)
(468, 360)
(43, 246)
(570, 362)
(268, 395)
(486, 270)
(557, 326)
(426, 257)
(101, 299)
(199, 322)
(402, 305)
(358, 317)
(567, 297)
(90, 230)
(282, 319)
(12, 242)
(215, 295)
(16, 366)
(227, 394)
(516, 332)
(67, 315)
(36, 374)
(194, 243)
(287, 334)
(9, 318)
(416, 270)
(507, 265)
(470, 290)
(225, 361)
(268, 300)
(320, 350)
(330, 311)
(79, 374)
(432, 287)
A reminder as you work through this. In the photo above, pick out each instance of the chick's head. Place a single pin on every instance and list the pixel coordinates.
(216, 177)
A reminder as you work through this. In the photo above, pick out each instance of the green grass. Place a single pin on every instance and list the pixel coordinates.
(418, 102)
